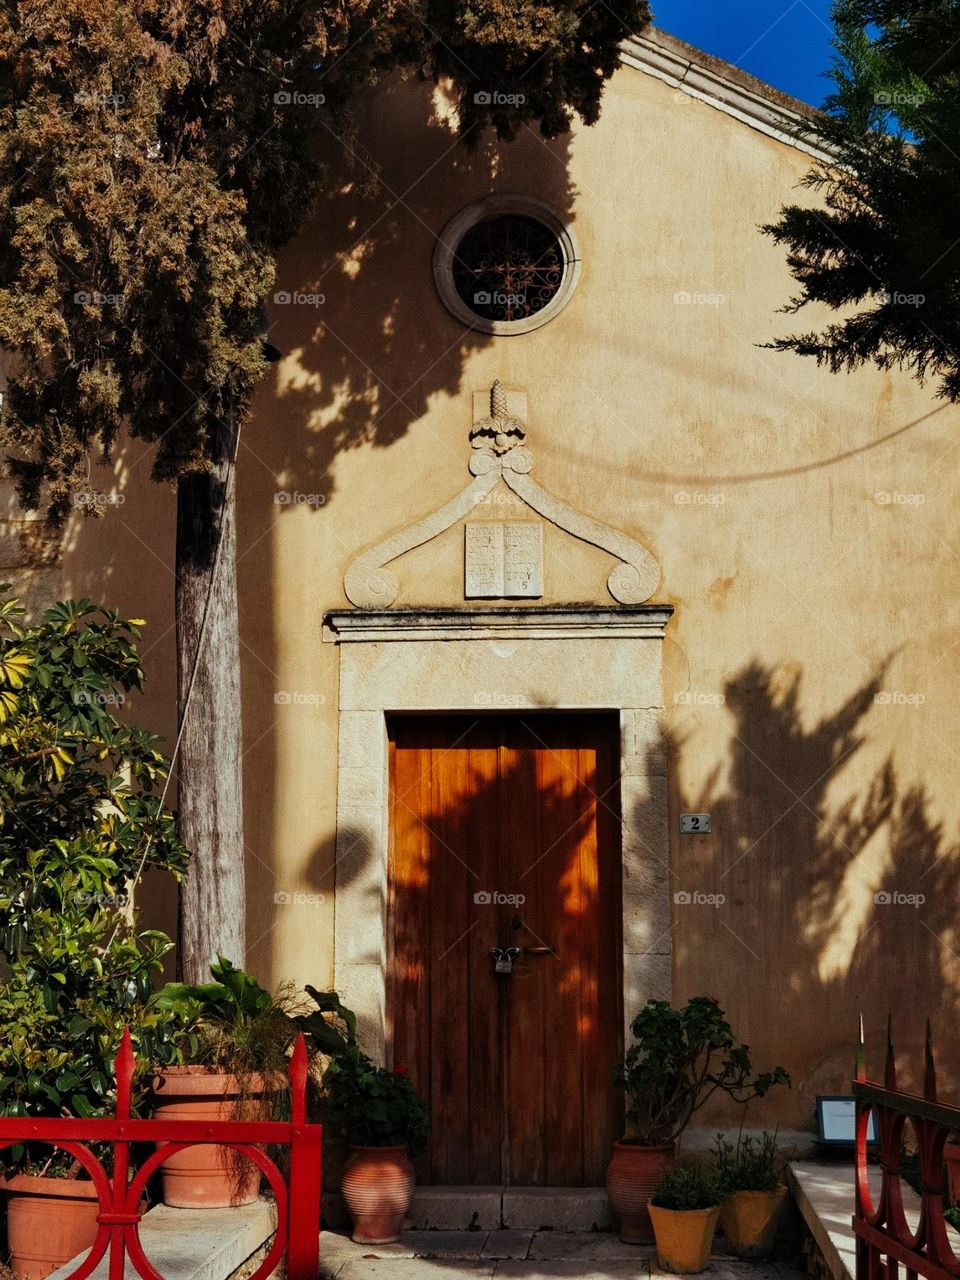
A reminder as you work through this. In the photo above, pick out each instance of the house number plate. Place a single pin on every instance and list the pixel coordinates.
(694, 824)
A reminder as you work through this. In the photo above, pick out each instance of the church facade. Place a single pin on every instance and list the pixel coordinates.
(591, 652)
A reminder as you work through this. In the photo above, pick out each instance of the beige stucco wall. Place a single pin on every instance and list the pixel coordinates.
(752, 476)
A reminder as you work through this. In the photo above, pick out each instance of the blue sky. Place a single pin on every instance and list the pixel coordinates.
(785, 42)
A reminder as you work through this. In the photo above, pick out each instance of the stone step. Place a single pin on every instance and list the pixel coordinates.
(194, 1244)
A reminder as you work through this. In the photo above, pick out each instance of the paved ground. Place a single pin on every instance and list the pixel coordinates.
(514, 1255)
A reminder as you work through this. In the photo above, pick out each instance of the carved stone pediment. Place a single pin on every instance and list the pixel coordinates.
(499, 453)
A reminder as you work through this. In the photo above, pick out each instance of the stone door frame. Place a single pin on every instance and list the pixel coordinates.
(495, 659)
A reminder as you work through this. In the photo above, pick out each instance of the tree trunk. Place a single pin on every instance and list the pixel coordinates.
(209, 775)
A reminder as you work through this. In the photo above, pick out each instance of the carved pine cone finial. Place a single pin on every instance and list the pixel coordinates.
(500, 432)
(498, 400)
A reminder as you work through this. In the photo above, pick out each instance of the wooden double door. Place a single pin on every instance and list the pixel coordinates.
(505, 839)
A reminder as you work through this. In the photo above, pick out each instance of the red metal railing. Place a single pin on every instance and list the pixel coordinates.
(885, 1240)
(120, 1194)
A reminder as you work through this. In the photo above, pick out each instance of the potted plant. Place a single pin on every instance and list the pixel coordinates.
(678, 1059)
(225, 1053)
(385, 1122)
(684, 1209)
(749, 1177)
(83, 816)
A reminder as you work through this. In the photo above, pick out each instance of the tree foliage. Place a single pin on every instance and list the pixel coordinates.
(881, 244)
(155, 155)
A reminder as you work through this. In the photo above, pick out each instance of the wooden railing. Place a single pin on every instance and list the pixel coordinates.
(884, 1239)
(120, 1194)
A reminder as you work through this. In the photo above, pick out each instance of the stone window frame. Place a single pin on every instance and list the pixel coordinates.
(453, 660)
(494, 206)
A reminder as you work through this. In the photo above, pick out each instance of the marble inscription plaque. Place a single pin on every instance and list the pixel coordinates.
(483, 561)
(523, 559)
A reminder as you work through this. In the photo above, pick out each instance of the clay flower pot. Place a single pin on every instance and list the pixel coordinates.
(208, 1177)
(632, 1175)
(749, 1220)
(49, 1221)
(684, 1237)
(377, 1187)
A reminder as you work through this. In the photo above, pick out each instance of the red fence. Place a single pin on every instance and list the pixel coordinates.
(120, 1195)
(885, 1240)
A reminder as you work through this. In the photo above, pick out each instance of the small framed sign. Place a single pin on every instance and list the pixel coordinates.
(694, 824)
(837, 1121)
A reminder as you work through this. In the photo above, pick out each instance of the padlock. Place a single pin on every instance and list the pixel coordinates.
(503, 958)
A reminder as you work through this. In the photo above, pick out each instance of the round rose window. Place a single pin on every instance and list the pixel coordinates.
(506, 266)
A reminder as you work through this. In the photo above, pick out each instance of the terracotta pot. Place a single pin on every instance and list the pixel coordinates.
(632, 1175)
(49, 1221)
(951, 1158)
(684, 1237)
(749, 1220)
(377, 1187)
(208, 1177)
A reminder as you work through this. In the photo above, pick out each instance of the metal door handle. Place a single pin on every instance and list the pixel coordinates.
(539, 951)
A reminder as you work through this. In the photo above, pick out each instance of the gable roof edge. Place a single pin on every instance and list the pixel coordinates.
(722, 86)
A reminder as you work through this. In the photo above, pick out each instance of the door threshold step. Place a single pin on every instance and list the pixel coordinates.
(510, 1209)
(495, 1208)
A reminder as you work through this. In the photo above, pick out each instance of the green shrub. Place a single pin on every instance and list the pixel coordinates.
(754, 1164)
(81, 818)
(373, 1107)
(678, 1060)
(686, 1187)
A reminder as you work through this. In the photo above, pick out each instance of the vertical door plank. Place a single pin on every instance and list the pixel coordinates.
(450, 1080)
(410, 876)
(523, 992)
(482, 1013)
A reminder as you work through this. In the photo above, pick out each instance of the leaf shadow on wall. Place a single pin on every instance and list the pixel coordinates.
(831, 906)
